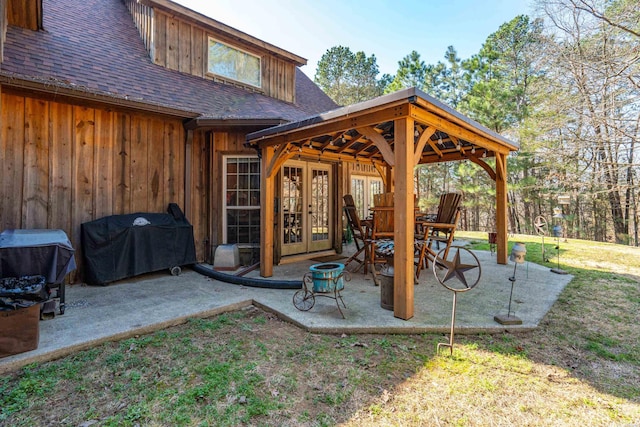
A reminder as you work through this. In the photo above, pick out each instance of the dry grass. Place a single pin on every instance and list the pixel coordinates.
(580, 367)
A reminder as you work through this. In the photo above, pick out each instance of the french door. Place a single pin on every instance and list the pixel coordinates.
(363, 189)
(306, 218)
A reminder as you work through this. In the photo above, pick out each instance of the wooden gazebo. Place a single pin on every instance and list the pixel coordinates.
(395, 133)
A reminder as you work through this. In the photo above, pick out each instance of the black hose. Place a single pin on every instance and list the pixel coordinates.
(247, 281)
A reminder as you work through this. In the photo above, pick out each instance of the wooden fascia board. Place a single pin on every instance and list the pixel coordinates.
(211, 24)
(458, 131)
(340, 124)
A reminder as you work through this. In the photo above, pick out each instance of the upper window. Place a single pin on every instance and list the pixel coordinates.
(232, 63)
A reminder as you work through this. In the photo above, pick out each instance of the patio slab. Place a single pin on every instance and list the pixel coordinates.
(154, 301)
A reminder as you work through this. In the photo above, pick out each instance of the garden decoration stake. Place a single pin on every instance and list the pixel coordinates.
(456, 276)
(517, 256)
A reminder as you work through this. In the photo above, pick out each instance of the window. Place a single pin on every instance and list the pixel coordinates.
(232, 63)
(362, 189)
(242, 200)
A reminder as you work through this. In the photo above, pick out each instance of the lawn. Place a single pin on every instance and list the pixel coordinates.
(580, 367)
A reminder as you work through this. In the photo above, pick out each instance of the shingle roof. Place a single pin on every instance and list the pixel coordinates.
(92, 46)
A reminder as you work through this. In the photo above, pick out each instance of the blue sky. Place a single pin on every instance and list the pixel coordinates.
(389, 29)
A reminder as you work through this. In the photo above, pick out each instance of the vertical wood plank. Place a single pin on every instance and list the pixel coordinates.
(198, 51)
(122, 164)
(104, 153)
(12, 160)
(61, 153)
(173, 165)
(160, 39)
(216, 190)
(82, 205)
(139, 163)
(184, 47)
(404, 220)
(197, 197)
(173, 40)
(35, 189)
(155, 161)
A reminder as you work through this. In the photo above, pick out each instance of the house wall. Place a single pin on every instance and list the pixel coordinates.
(181, 45)
(65, 164)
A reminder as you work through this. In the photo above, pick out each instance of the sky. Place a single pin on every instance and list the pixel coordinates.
(388, 29)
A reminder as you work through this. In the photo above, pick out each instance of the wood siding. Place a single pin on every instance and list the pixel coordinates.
(63, 165)
(143, 18)
(24, 13)
(182, 45)
(3, 27)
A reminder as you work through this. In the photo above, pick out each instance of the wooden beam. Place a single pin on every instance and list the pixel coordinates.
(403, 305)
(501, 207)
(267, 201)
(381, 143)
(424, 137)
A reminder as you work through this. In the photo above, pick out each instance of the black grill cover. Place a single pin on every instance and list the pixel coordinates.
(114, 248)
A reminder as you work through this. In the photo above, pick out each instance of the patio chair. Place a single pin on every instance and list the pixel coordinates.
(440, 230)
(360, 233)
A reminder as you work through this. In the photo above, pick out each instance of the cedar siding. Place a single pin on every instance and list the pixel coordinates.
(179, 43)
(67, 164)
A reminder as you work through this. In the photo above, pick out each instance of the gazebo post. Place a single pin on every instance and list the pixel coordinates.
(501, 207)
(267, 201)
(404, 220)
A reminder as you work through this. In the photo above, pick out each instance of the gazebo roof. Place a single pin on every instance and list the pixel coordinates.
(365, 132)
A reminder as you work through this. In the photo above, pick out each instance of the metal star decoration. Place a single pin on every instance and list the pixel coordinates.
(456, 269)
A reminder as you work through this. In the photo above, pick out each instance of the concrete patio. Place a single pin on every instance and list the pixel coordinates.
(155, 301)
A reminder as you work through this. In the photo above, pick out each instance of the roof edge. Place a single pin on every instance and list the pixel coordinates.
(203, 122)
(79, 93)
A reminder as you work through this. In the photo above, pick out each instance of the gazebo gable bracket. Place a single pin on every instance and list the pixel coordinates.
(424, 138)
(281, 155)
(484, 166)
(380, 142)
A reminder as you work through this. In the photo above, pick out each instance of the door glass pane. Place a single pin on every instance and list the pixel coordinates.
(292, 207)
(320, 205)
(375, 187)
(357, 191)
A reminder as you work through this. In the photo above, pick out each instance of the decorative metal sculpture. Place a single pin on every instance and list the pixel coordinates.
(518, 253)
(557, 232)
(455, 275)
(542, 228)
